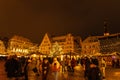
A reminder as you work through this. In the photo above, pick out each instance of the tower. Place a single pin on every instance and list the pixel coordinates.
(106, 32)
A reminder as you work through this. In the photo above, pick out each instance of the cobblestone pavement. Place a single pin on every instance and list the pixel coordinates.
(111, 74)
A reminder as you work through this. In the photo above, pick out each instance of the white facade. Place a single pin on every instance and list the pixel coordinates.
(19, 45)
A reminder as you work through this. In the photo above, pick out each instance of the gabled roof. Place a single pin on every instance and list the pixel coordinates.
(20, 38)
(45, 36)
(91, 39)
(96, 38)
(110, 36)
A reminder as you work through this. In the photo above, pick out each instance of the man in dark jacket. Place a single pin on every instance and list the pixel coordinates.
(45, 69)
(87, 67)
(11, 67)
(94, 72)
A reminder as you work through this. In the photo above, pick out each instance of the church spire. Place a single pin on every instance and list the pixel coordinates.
(106, 32)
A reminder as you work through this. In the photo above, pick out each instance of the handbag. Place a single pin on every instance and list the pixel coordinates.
(35, 70)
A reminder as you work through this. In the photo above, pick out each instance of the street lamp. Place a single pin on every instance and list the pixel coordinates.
(70, 55)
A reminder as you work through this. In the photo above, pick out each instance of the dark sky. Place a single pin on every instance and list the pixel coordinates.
(33, 18)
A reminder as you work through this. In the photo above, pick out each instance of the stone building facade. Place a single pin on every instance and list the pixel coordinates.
(68, 43)
(90, 46)
(19, 45)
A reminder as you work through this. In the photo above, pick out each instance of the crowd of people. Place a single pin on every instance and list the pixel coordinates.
(32, 68)
(93, 68)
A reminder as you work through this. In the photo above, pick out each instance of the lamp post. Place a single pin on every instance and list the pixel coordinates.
(70, 54)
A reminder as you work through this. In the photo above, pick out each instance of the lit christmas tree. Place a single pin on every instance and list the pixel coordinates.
(56, 50)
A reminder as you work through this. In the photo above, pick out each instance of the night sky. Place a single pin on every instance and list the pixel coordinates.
(33, 18)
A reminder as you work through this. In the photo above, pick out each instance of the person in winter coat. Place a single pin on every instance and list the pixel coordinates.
(25, 68)
(73, 63)
(55, 68)
(32, 69)
(12, 67)
(86, 67)
(94, 72)
(45, 69)
(103, 66)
